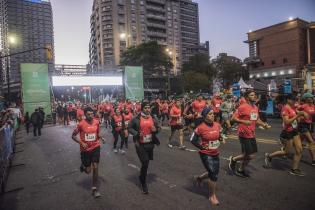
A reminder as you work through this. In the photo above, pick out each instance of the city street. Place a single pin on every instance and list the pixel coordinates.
(51, 180)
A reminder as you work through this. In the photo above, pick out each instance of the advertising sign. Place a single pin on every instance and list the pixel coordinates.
(133, 79)
(35, 87)
(287, 86)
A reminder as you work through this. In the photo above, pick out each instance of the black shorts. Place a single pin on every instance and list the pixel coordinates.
(305, 127)
(176, 127)
(105, 115)
(217, 115)
(87, 158)
(288, 135)
(188, 122)
(145, 152)
(249, 145)
(212, 165)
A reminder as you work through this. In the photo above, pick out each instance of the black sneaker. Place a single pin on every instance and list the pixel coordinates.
(144, 188)
(232, 164)
(297, 172)
(82, 168)
(242, 174)
(267, 160)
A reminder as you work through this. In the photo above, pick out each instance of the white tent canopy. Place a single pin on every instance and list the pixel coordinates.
(243, 84)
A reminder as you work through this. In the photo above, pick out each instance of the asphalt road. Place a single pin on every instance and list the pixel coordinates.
(50, 178)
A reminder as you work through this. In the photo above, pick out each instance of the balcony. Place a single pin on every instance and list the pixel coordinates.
(156, 25)
(156, 34)
(157, 1)
(150, 7)
(157, 17)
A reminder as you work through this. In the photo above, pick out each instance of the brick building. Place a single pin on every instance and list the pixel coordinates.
(280, 52)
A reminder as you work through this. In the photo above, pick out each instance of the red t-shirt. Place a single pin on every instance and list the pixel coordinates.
(290, 112)
(216, 103)
(175, 111)
(107, 108)
(80, 113)
(128, 106)
(145, 129)
(310, 110)
(247, 112)
(118, 122)
(198, 106)
(165, 108)
(209, 138)
(127, 118)
(89, 134)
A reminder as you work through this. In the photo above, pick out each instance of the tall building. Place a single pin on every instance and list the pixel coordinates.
(281, 51)
(25, 25)
(116, 25)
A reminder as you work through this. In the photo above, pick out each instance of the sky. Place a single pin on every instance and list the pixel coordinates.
(224, 23)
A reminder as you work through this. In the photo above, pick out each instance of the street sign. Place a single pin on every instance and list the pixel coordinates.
(287, 86)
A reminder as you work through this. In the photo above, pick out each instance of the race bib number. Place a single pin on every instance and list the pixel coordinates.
(217, 105)
(147, 138)
(90, 137)
(214, 144)
(253, 116)
(119, 124)
(126, 123)
(294, 124)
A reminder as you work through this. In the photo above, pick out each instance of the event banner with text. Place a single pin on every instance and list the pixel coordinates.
(35, 87)
(134, 82)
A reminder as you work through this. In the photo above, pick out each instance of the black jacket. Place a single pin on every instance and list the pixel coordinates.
(36, 118)
(134, 128)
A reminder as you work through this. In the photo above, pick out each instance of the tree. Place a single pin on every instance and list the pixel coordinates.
(200, 63)
(229, 70)
(150, 55)
(195, 81)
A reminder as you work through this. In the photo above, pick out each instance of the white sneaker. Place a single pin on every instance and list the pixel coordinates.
(122, 151)
(262, 128)
(170, 146)
(224, 136)
(115, 150)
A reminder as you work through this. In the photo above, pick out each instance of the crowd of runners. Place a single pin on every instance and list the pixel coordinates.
(209, 122)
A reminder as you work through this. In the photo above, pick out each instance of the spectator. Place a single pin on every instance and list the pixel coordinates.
(36, 122)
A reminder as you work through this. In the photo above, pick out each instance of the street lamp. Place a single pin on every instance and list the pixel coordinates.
(11, 40)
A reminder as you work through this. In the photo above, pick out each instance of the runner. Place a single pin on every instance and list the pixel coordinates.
(209, 134)
(290, 137)
(198, 105)
(127, 117)
(247, 117)
(117, 130)
(106, 113)
(216, 103)
(227, 108)
(306, 123)
(165, 110)
(89, 146)
(176, 124)
(144, 128)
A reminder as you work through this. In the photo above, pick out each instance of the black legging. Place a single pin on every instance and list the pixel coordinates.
(145, 154)
(122, 137)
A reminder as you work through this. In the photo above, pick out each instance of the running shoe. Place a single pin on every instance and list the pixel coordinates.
(144, 187)
(122, 151)
(242, 174)
(96, 193)
(313, 163)
(182, 147)
(224, 136)
(115, 150)
(82, 168)
(260, 127)
(232, 164)
(170, 146)
(297, 172)
(267, 160)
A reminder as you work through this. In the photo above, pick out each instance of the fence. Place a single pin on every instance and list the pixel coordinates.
(7, 136)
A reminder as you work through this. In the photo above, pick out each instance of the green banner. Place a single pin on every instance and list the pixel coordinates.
(35, 87)
(133, 79)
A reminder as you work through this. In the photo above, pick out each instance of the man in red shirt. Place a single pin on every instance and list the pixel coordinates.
(198, 105)
(247, 117)
(216, 103)
(176, 124)
(89, 142)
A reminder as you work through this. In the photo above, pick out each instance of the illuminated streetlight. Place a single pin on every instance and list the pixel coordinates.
(167, 50)
(290, 18)
(122, 36)
(12, 39)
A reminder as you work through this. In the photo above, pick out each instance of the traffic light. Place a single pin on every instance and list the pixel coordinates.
(49, 52)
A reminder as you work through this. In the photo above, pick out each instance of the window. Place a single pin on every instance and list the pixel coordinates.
(285, 60)
(273, 62)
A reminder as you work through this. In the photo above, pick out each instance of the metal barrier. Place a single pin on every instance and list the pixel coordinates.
(7, 136)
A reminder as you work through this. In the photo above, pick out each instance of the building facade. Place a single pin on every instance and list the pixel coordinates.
(280, 52)
(117, 25)
(25, 25)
